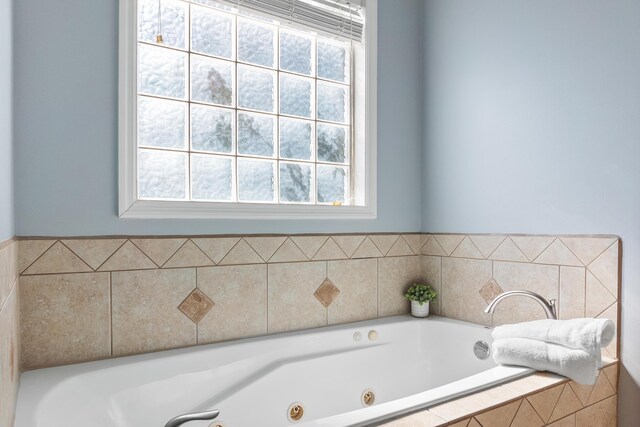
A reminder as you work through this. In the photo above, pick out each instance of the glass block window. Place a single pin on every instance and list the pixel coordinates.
(231, 108)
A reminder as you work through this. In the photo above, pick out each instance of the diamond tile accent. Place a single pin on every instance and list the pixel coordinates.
(327, 292)
(490, 291)
(196, 305)
(400, 248)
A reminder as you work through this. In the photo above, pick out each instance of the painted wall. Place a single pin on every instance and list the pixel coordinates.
(532, 124)
(6, 138)
(66, 127)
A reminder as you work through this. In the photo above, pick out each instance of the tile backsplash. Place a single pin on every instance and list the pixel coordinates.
(580, 272)
(94, 298)
(9, 335)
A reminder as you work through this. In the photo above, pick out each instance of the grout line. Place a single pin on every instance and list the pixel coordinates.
(267, 283)
(574, 254)
(79, 257)
(500, 244)
(515, 414)
(602, 253)
(114, 252)
(377, 287)
(111, 312)
(385, 253)
(296, 245)
(205, 254)
(558, 401)
(168, 259)
(35, 260)
(543, 251)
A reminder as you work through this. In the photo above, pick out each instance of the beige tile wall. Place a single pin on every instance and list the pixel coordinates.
(9, 336)
(85, 299)
(542, 399)
(580, 272)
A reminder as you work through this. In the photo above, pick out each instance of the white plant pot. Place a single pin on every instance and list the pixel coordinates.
(418, 310)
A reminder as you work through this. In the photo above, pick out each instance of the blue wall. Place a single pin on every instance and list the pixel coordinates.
(6, 151)
(532, 125)
(66, 126)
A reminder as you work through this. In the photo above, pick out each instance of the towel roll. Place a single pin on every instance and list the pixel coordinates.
(578, 365)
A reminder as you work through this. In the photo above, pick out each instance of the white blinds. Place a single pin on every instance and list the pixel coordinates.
(340, 19)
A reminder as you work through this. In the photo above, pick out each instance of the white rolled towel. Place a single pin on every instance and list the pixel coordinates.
(589, 335)
(577, 365)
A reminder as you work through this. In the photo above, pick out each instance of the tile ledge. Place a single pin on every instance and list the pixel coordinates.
(507, 393)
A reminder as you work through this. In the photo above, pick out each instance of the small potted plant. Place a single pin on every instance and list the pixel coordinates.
(420, 297)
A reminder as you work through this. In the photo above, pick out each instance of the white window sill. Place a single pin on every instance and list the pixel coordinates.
(190, 209)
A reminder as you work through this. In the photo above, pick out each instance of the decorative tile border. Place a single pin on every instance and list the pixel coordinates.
(106, 297)
(580, 272)
(9, 336)
(538, 400)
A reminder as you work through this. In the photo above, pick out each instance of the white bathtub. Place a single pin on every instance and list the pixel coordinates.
(413, 363)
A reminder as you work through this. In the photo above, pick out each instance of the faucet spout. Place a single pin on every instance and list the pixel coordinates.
(548, 306)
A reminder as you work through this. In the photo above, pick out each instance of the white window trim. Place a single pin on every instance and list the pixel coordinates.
(132, 207)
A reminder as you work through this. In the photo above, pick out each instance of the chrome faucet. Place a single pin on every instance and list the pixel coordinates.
(548, 306)
(181, 419)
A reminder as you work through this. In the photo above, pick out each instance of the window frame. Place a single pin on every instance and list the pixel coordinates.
(132, 207)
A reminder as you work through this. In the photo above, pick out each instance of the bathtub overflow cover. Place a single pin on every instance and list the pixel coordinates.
(481, 350)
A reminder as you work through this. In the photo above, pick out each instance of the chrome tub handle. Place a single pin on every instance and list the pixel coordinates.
(194, 416)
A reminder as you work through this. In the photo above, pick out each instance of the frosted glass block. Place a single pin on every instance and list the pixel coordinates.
(173, 22)
(256, 89)
(256, 180)
(211, 80)
(211, 129)
(333, 61)
(161, 123)
(256, 134)
(333, 102)
(256, 43)
(296, 139)
(295, 182)
(332, 184)
(296, 95)
(211, 177)
(161, 174)
(333, 143)
(296, 53)
(211, 32)
(161, 71)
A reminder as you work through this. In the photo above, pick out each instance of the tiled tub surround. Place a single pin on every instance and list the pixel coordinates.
(580, 273)
(541, 399)
(86, 299)
(9, 336)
